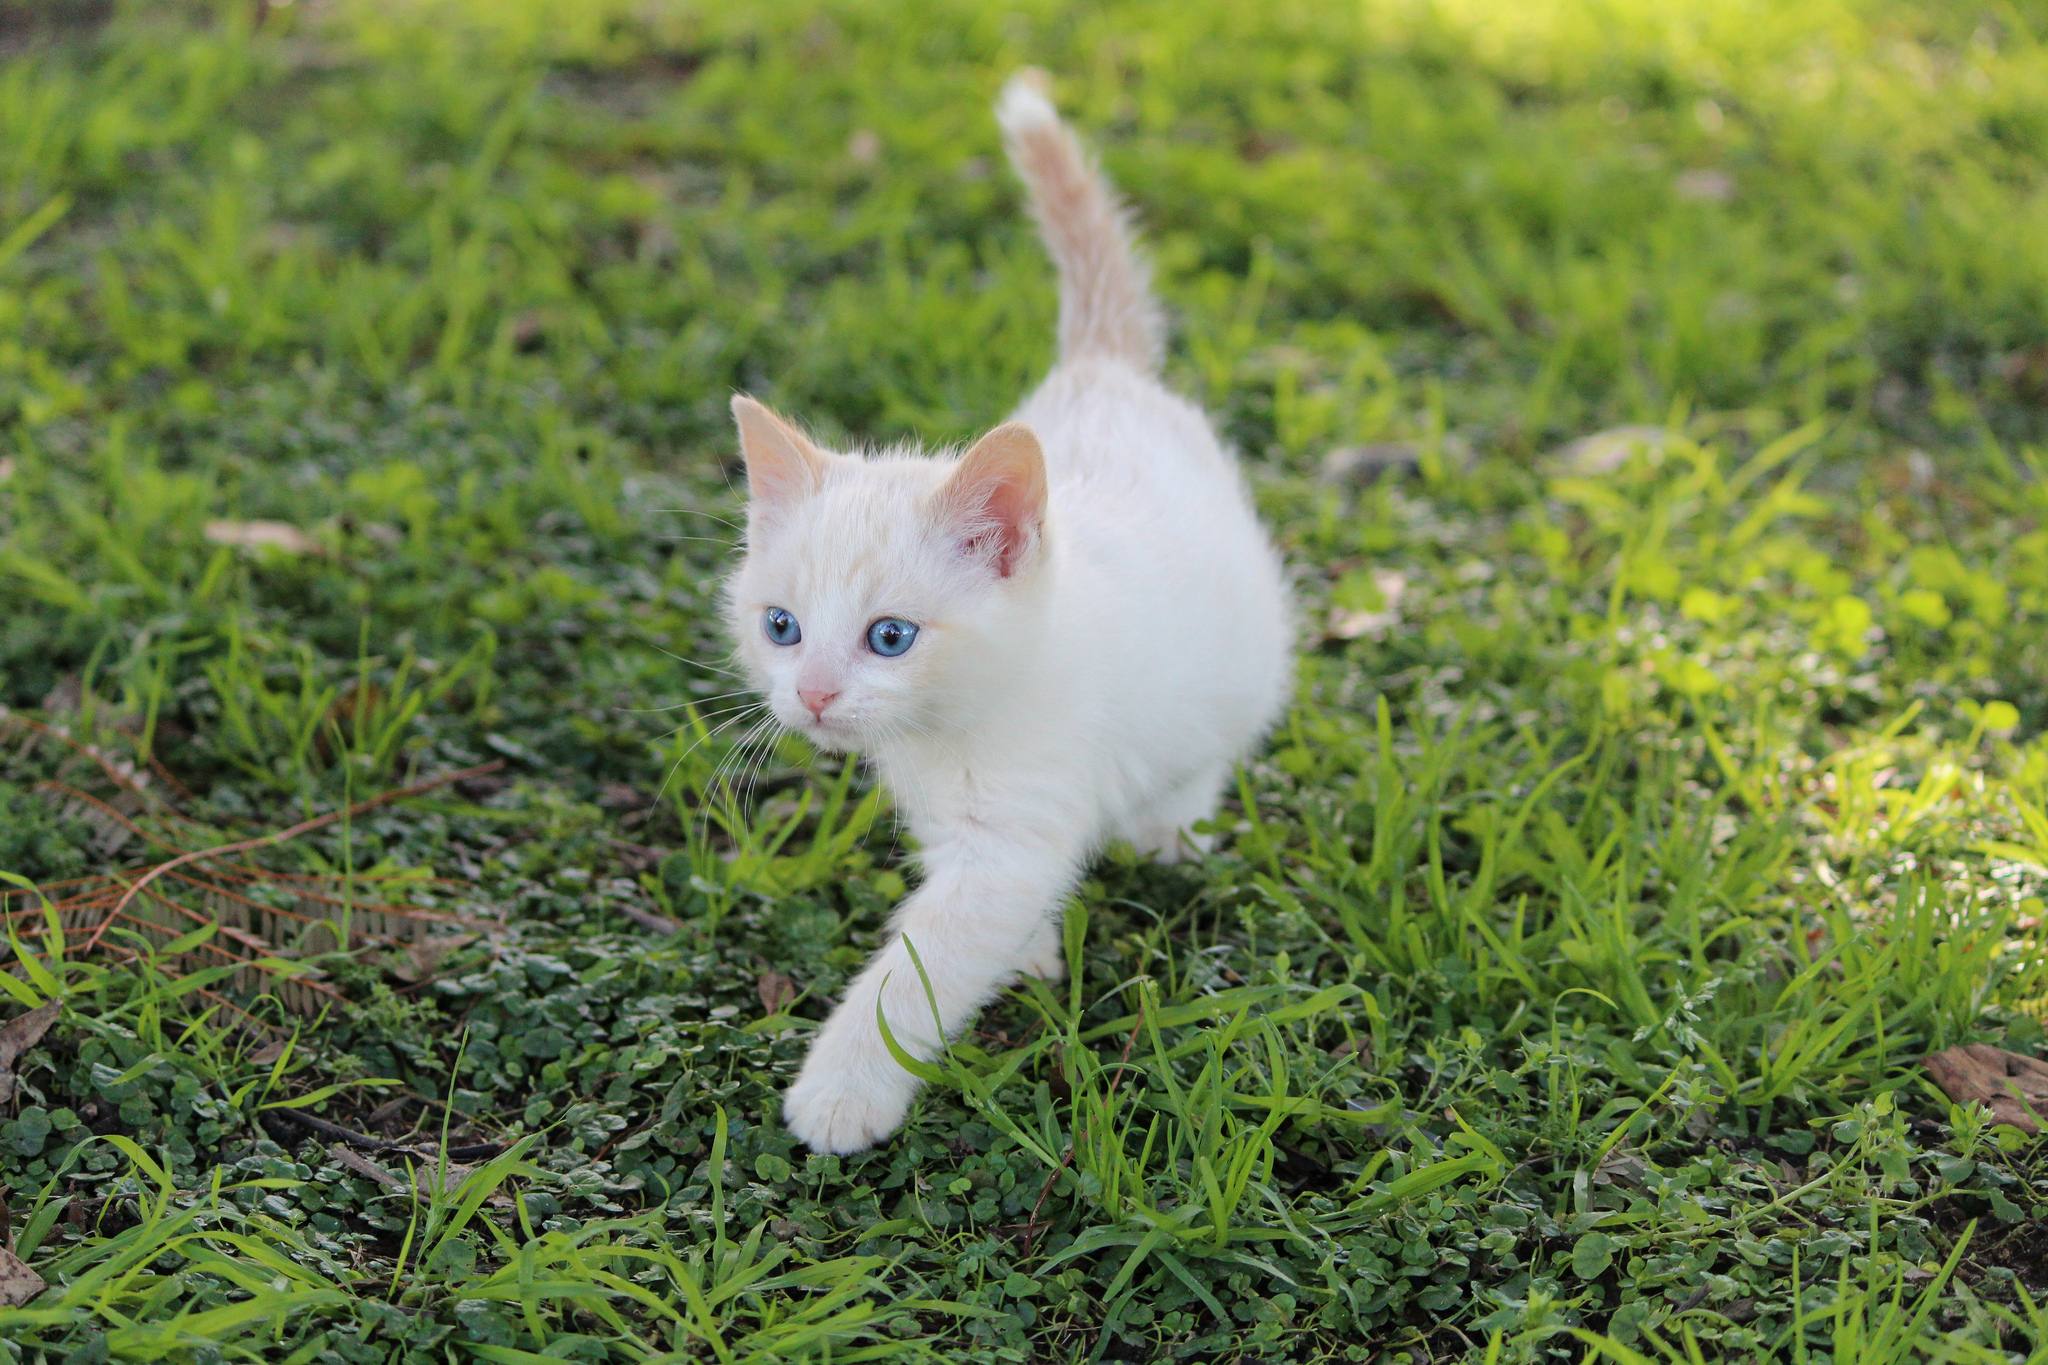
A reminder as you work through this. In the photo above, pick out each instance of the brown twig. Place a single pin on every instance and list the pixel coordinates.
(647, 919)
(465, 1152)
(303, 827)
(365, 1167)
(164, 775)
(269, 1032)
(348, 1135)
(126, 781)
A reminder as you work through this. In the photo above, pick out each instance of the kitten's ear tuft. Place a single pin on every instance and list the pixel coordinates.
(996, 498)
(783, 467)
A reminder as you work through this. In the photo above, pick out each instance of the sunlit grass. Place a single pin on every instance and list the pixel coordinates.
(1559, 983)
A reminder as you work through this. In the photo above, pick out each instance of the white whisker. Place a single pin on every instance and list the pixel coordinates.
(733, 717)
(657, 710)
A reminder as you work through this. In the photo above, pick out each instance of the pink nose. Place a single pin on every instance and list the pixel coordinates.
(815, 700)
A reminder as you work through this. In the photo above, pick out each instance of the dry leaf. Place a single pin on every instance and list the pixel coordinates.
(647, 919)
(1355, 1047)
(1622, 1168)
(777, 991)
(389, 1110)
(1364, 463)
(1705, 183)
(428, 1173)
(269, 1052)
(247, 535)
(63, 699)
(621, 796)
(18, 1284)
(422, 957)
(1349, 625)
(2015, 1087)
(363, 1166)
(1606, 451)
(17, 1036)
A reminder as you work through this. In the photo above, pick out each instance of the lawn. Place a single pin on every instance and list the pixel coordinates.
(430, 950)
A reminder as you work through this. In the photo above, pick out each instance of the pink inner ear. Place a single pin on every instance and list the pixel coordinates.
(997, 496)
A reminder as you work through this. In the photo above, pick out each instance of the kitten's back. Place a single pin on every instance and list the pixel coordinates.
(1172, 653)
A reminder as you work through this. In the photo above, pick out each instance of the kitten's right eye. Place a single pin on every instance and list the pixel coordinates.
(781, 627)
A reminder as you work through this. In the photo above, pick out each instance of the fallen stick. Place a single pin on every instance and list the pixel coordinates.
(467, 1152)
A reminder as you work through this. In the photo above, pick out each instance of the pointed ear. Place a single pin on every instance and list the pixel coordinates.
(995, 500)
(783, 467)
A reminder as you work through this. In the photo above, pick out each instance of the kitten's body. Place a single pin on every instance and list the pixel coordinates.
(1102, 630)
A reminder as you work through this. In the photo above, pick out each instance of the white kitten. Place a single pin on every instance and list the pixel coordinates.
(1066, 636)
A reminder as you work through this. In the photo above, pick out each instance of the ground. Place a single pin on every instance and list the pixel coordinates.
(1650, 804)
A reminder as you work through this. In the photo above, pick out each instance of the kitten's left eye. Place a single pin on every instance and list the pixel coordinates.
(889, 637)
(780, 626)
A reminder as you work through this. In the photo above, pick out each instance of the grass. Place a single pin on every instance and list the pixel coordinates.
(1557, 987)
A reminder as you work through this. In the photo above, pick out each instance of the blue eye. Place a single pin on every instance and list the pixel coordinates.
(889, 637)
(781, 627)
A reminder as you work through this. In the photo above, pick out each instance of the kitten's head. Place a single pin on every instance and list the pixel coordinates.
(879, 595)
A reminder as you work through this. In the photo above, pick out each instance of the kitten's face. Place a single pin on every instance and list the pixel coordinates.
(876, 591)
(844, 571)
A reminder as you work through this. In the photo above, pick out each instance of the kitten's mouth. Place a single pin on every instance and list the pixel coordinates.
(830, 732)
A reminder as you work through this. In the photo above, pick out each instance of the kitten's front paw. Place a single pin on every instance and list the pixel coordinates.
(1172, 844)
(1045, 959)
(845, 1111)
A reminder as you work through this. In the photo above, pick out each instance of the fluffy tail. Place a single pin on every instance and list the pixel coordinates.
(1106, 304)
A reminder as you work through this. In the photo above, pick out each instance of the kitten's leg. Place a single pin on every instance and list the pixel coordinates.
(983, 899)
(1045, 955)
(1163, 830)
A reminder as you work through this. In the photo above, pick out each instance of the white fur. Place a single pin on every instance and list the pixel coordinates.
(1102, 689)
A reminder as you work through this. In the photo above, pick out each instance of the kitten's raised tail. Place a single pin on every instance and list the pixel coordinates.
(1106, 304)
